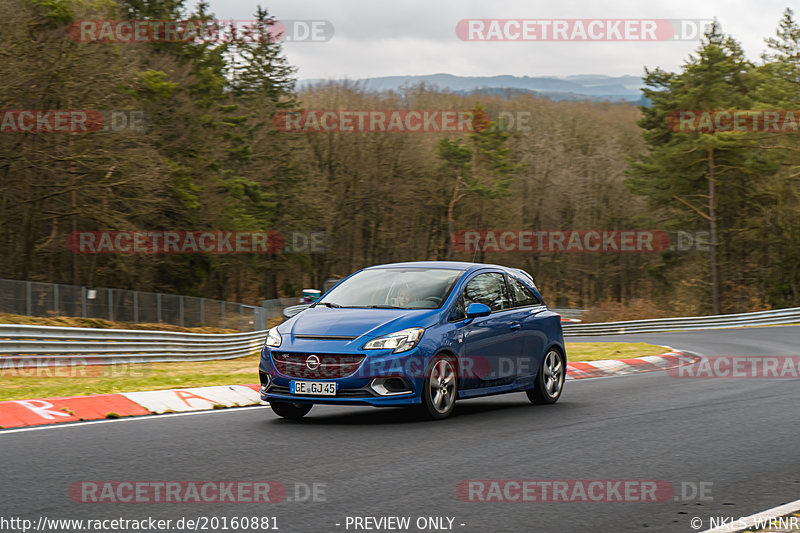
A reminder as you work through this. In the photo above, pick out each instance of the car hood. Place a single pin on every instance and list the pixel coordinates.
(367, 323)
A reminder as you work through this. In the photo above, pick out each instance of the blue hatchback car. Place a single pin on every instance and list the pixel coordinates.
(416, 334)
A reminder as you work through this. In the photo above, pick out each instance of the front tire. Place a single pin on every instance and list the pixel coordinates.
(440, 389)
(549, 379)
(290, 411)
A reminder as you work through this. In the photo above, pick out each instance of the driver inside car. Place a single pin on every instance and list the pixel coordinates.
(404, 297)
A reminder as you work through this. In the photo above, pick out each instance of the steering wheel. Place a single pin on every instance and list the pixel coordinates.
(434, 299)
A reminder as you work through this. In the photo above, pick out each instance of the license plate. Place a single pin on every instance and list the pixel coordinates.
(313, 388)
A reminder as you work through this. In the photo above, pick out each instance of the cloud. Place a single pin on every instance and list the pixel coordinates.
(418, 36)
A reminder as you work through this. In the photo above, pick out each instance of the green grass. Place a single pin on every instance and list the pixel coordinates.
(596, 351)
(81, 381)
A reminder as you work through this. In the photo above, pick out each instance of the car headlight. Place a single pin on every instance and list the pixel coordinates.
(273, 338)
(400, 341)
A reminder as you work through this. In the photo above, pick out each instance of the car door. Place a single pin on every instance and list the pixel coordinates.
(492, 344)
(528, 311)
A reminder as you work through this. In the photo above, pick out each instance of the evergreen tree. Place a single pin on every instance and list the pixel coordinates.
(683, 170)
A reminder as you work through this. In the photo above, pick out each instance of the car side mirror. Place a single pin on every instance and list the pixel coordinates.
(475, 310)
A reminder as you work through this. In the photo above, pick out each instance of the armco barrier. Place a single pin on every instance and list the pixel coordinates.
(656, 325)
(567, 315)
(289, 312)
(48, 345)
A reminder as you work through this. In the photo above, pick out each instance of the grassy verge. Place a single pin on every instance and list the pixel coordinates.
(79, 381)
(77, 322)
(596, 351)
(17, 384)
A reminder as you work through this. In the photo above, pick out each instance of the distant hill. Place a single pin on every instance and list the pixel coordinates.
(578, 87)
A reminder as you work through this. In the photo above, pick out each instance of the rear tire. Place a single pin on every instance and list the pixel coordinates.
(549, 379)
(290, 411)
(440, 389)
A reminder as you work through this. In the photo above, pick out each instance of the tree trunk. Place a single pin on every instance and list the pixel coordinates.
(450, 209)
(712, 217)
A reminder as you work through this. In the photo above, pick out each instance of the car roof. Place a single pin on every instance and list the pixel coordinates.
(444, 265)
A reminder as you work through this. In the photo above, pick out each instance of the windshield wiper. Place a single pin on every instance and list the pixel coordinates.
(327, 304)
(385, 307)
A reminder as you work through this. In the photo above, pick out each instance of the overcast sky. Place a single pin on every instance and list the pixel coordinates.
(383, 38)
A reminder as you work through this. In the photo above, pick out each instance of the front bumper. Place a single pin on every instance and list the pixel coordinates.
(374, 382)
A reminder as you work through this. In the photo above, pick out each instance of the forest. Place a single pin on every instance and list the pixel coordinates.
(214, 135)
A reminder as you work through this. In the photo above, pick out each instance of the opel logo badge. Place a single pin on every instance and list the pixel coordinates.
(312, 363)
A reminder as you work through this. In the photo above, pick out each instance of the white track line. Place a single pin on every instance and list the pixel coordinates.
(125, 419)
(611, 363)
(749, 521)
(167, 415)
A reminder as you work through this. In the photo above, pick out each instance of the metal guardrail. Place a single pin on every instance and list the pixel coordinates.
(289, 312)
(655, 325)
(658, 325)
(23, 346)
(573, 314)
(570, 314)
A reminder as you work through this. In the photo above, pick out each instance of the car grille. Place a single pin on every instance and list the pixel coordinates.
(341, 393)
(295, 365)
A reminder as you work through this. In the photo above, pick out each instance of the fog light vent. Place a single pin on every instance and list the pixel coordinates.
(390, 386)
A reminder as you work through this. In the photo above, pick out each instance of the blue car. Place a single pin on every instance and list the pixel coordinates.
(421, 334)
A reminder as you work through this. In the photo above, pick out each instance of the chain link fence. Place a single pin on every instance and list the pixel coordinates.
(274, 308)
(33, 298)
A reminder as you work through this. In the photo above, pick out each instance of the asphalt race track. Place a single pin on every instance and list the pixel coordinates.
(741, 437)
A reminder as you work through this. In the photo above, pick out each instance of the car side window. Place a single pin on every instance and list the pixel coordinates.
(523, 296)
(459, 312)
(489, 289)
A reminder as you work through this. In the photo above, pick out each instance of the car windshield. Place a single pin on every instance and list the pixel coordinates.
(394, 288)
